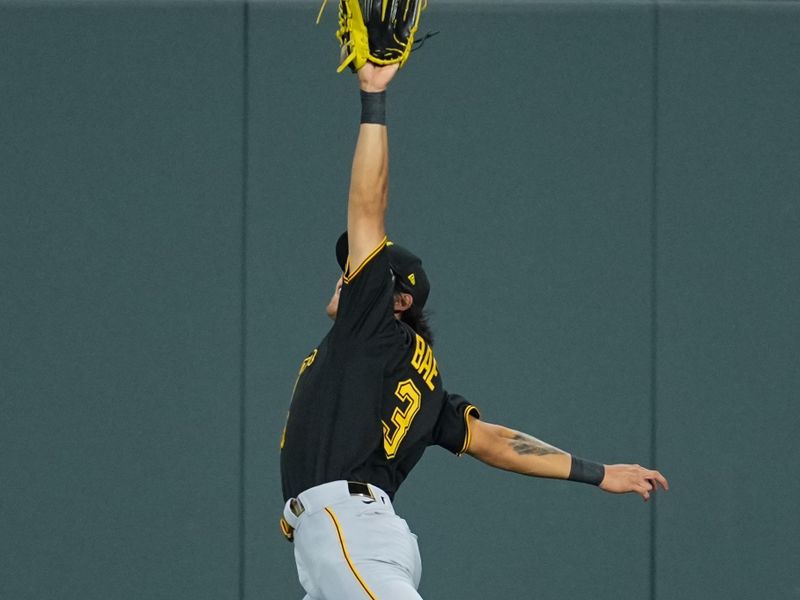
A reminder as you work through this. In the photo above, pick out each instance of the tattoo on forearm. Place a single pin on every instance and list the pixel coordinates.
(526, 444)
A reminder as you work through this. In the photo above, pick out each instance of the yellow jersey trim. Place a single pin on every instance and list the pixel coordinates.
(468, 437)
(347, 554)
(347, 278)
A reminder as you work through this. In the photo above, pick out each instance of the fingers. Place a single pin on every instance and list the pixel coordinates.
(661, 480)
(645, 489)
(652, 479)
(655, 478)
(625, 478)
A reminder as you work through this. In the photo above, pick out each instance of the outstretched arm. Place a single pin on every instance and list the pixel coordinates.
(512, 450)
(369, 178)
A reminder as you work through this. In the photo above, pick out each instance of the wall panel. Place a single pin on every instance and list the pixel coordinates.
(120, 302)
(729, 325)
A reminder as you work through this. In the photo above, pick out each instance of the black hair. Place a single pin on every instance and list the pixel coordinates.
(417, 318)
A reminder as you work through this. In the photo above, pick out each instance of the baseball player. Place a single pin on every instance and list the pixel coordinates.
(369, 399)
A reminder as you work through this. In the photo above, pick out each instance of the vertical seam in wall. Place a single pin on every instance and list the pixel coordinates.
(654, 297)
(243, 306)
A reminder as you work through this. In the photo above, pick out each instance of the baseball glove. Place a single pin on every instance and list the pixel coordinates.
(378, 31)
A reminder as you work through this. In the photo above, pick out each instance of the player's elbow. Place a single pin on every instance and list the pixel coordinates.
(488, 443)
(367, 208)
(368, 202)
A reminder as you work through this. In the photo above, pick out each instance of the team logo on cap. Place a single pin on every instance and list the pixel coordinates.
(412, 279)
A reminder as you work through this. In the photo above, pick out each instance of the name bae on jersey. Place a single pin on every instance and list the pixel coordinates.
(424, 362)
(409, 398)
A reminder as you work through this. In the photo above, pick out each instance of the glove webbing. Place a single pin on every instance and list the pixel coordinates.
(423, 6)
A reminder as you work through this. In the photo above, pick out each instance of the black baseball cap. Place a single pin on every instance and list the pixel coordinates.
(410, 277)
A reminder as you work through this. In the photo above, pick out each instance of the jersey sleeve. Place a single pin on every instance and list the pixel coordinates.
(452, 429)
(365, 302)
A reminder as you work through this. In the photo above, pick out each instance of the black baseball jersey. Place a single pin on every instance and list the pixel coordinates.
(369, 399)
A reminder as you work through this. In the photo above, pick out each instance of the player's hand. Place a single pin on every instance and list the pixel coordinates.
(375, 78)
(621, 479)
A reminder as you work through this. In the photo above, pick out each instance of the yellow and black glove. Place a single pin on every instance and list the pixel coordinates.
(378, 31)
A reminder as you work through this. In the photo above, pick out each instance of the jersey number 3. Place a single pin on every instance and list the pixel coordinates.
(410, 399)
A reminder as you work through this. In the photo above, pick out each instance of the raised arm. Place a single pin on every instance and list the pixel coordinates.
(512, 450)
(369, 179)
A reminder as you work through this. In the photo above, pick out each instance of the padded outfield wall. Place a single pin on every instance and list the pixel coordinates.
(607, 199)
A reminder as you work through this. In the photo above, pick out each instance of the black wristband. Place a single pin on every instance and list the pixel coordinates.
(586, 471)
(373, 107)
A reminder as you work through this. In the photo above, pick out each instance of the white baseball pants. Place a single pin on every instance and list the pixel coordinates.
(353, 547)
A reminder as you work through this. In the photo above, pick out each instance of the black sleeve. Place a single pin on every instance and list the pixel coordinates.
(452, 427)
(365, 302)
